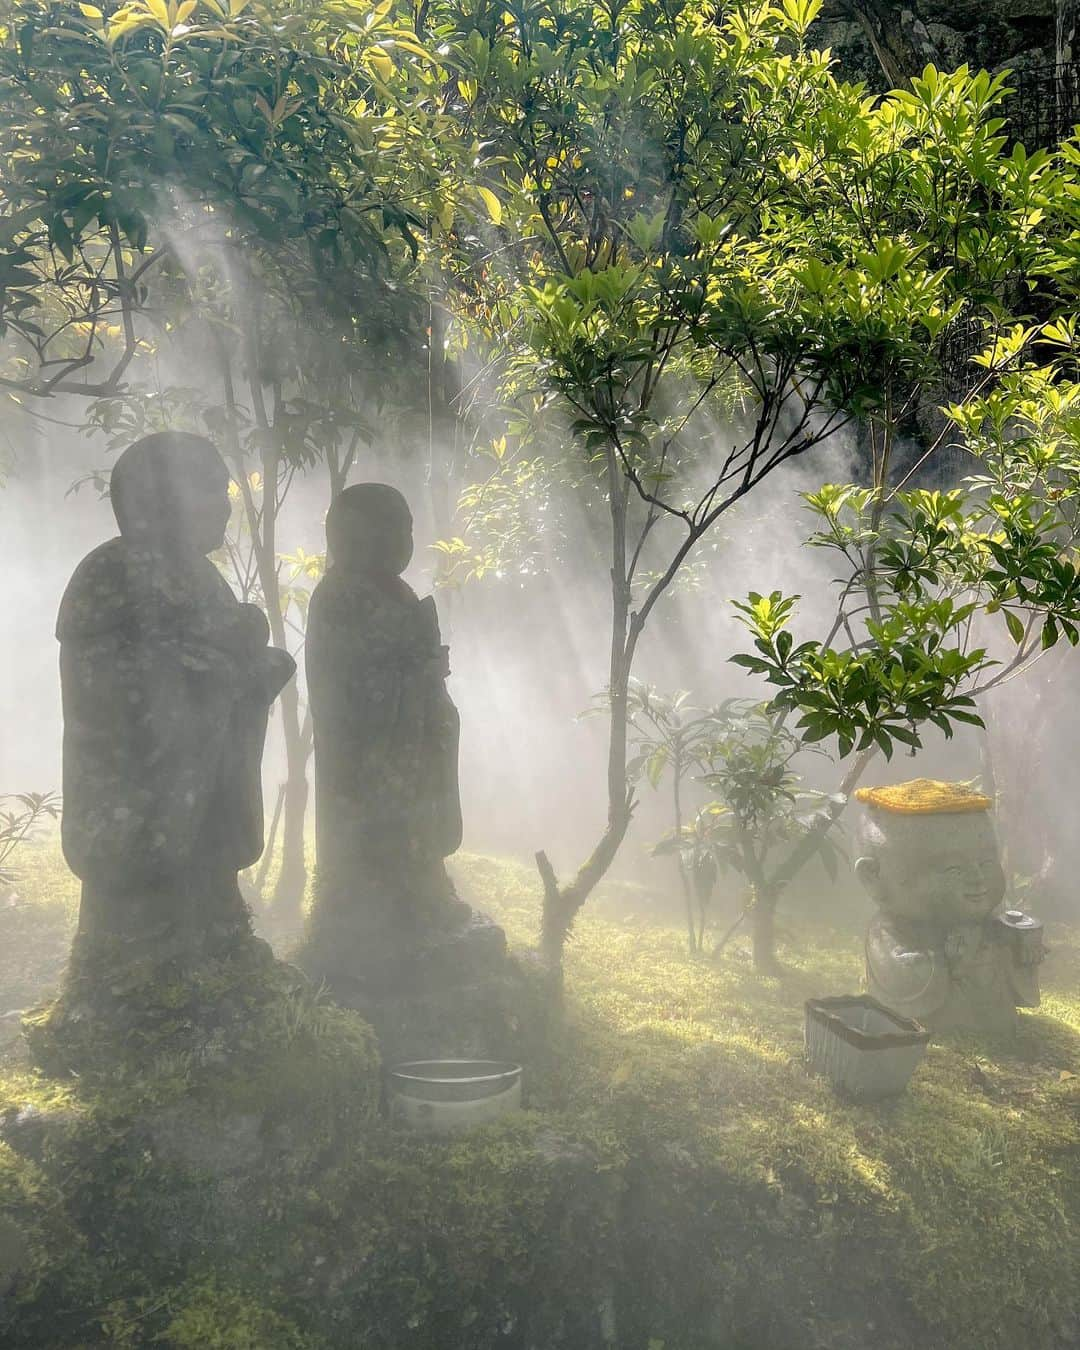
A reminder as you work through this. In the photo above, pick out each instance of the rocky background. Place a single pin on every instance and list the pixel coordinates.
(1017, 34)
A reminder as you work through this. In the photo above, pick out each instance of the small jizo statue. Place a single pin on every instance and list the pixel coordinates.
(939, 951)
(386, 750)
(167, 681)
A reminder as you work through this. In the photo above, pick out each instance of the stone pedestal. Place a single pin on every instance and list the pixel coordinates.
(445, 990)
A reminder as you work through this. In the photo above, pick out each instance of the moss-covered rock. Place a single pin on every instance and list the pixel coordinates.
(171, 1134)
(504, 1238)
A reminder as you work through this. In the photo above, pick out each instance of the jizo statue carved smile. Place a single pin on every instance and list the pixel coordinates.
(938, 951)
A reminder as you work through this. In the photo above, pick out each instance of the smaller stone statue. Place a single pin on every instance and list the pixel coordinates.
(167, 680)
(386, 924)
(939, 951)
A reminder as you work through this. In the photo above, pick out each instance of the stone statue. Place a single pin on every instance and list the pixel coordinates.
(167, 681)
(386, 919)
(939, 951)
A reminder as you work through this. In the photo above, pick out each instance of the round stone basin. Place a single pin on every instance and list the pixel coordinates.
(445, 1095)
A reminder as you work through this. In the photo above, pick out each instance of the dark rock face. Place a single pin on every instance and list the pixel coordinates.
(387, 932)
(167, 681)
(991, 35)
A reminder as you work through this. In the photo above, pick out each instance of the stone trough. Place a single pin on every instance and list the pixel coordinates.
(864, 1050)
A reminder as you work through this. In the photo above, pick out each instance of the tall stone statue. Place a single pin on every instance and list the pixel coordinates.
(167, 681)
(939, 950)
(386, 920)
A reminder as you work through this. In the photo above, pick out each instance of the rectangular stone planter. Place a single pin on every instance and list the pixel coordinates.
(864, 1050)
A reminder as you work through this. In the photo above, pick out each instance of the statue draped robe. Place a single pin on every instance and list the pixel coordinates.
(386, 754)
(167, 682)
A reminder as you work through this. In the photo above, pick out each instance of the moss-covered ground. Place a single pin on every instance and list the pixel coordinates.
(679, 1182)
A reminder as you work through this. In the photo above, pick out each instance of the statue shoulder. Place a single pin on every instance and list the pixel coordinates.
(99, 595)
(338, 599)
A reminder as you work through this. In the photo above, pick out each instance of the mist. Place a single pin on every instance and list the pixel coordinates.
(433, 914)
(528, 654)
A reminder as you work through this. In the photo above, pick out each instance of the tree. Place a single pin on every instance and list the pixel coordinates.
(998, 229)
(926, 583)
(761, 806)
(660, 257)
(248, 185)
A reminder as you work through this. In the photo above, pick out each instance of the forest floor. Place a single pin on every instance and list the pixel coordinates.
(967, 1188)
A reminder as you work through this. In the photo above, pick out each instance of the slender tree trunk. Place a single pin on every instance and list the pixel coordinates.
(728, 934)
(901, 41)
(763, 909)
(562, 902)
(271, 836)
(808, 845)
(687, 890)
(262, 525)
(704, 885)
(292, 877)
(763, 933)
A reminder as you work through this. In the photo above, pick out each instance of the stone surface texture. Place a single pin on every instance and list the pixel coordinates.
(167, 682)
(387, 932)
(936, 951)
(982, 33)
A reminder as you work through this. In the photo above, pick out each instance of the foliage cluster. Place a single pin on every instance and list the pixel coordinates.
(927, 575)
(130, 132)
(710, 255)
(28, 811)
(736, 794)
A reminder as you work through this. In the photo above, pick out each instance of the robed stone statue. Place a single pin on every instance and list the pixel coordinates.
(386, 920)
(167, 681)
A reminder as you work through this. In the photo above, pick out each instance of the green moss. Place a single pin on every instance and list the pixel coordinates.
(679, 1176)
(206, 1316)
(37, 926)
(958, 1205)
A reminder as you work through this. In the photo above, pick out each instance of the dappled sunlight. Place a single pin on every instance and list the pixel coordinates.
(686, 1037)
(537, 746)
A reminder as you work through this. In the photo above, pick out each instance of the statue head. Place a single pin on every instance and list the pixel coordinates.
(369, 531)
(929, 852)
(170, 494)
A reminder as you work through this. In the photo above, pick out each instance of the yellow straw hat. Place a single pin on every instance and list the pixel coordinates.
(924, 797)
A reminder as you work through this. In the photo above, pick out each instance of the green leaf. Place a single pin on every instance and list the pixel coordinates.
(494, 206)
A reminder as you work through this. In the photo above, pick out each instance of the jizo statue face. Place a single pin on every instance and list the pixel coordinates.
(940, 868)
(369, 530)
(170, 494)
